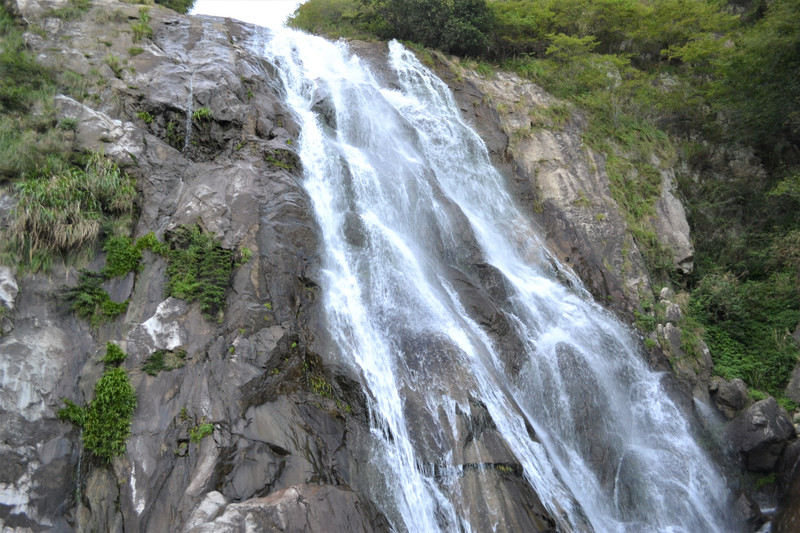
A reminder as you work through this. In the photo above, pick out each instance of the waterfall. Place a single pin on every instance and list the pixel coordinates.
(479, 366)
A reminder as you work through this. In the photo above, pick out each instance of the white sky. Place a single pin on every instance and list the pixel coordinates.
(269, 13)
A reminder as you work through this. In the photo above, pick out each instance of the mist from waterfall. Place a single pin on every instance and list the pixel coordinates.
(416, 222)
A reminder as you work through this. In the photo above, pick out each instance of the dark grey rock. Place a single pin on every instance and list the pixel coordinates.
(759, 434)
(730, 397)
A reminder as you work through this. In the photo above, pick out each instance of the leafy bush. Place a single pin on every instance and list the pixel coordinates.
(202, 114)
(748, 325)
(199, 269)
(106, 421)
(198, 433)
(108, 418)
(114, 354)
(122, 256)
(142, 29)
(91, 302)
(163, 360)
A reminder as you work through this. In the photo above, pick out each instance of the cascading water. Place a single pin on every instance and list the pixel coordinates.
(413, 217)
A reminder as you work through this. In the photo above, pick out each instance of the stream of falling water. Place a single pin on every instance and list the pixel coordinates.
(411, 210)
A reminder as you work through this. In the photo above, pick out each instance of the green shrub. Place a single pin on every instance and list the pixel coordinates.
(106, 421)
(114, 64)
(748, 325)
(107, 424)
(202, 114)
(198, 269)
(91, 302)
(114, 354)
(198, 433)
(163, 360)
(122, 256)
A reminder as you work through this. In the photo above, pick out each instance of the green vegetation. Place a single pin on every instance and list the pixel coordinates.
(181, 6)
(90, 301)
(199, 269)
(661, 83)
(202, 114)
(61, 208)
(114, 354)
(201, 431)
(115, 65)
(106, 421)
(73, 10)
(135, 51)
(163, 360)
(141, 29)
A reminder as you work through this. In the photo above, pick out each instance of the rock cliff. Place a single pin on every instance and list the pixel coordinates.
(289, 448)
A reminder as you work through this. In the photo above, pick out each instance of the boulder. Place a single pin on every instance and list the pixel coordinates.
(730, 397)
(759, 435)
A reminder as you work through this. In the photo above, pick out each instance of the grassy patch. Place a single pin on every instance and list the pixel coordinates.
(201, 431)
(748, 327)
(141, 29)
(61, 208)
(72, 11)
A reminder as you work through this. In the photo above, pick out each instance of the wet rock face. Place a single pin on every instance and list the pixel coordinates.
(536, 141)
(274, 447)
(759, 435)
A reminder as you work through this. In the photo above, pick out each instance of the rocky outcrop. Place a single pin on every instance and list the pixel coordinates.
(254, 424)
(537, 141)
(730, 397)
(759, 435)
(274, 448)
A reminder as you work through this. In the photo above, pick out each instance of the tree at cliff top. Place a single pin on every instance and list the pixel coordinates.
(181, 6)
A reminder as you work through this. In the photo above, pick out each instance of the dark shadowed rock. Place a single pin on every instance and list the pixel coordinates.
(759, 434)
(730, 397)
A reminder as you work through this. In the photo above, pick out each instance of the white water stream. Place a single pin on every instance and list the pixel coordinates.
(410, 207)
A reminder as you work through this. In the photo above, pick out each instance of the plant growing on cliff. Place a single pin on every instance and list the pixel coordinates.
(90, 301)
(201, 431)
(106, 421)
(61, 209)
(199, 268)
(202, 114)
(142, 29)
(181, 6)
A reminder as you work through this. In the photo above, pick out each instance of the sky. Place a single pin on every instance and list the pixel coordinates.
(269, 13)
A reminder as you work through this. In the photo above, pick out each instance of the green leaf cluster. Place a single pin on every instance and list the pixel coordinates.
(89, 299)
(106, 421)
(141, 29)
(748, 325)
(198, 433)
(163, 360)
(199, 269)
